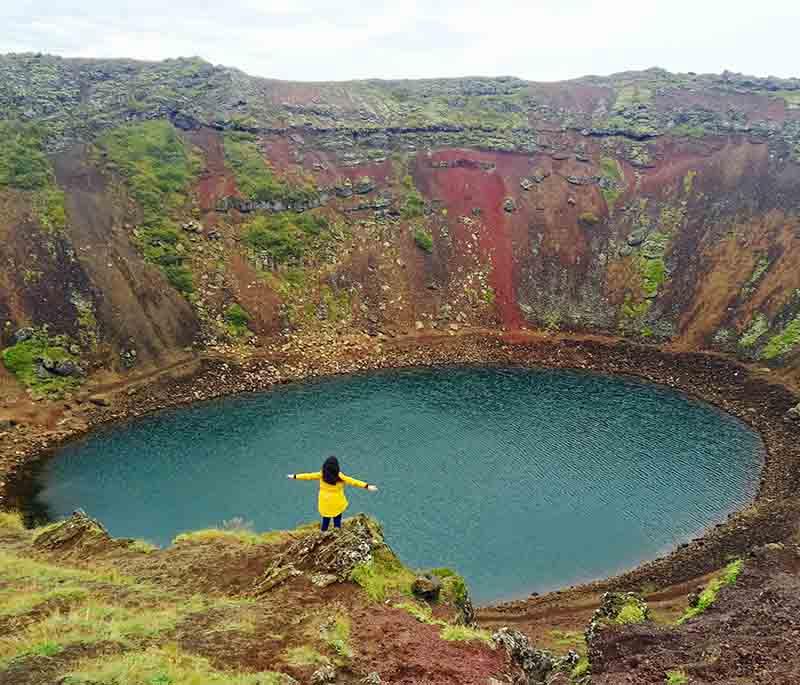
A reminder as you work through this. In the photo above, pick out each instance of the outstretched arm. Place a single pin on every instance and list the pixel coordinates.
(305, 476)
(357, 483)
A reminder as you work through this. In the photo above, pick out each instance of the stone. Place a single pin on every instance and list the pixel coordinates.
(24, 334)
(637, 237)
(326, 674)
(526, 184)
(364, 185)
(323, 579)
(571, 201)
(7, 424)
(427, 587)
(418, 325)
(372, 678)
(66, 368)
(509, 205)
(100, 400)
(793, 414)
(537, 665)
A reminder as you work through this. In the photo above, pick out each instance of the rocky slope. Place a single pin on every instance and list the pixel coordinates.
(152, 209)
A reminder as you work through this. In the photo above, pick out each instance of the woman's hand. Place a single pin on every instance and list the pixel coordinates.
(290, 476)
(372, 488)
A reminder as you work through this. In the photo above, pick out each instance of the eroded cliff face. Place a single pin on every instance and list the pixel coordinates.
(179, 205)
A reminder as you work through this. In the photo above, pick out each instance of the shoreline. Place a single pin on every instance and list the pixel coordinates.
(772, 516)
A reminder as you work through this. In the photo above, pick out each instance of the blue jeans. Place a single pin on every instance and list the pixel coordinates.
(326, 521)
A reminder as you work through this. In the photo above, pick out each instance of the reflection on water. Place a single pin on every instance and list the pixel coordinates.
(523, 480)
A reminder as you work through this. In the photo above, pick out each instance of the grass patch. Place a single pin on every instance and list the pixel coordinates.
(783, 342)
(564, 640)
(50, 208)
(423, 239)
(254, 177)
(336, 635)
(581, 669)
(453, 633)
(304, 656)
(11, 520)
(21, 601)
(143, 546)
(243, 534)
(588, 218)
(21, 360)
(92, 622)
(450, 632)
(677, 678)
(383, 575)
(155, 162)
(286, 237)
(729, 575)
(15, 568)
(413, 205)
(23, 162)
(164, 665)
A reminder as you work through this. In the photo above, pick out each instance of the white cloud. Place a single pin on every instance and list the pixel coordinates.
(318, 40)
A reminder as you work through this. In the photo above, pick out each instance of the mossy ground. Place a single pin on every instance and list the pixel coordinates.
(20, 359)
(728, 576)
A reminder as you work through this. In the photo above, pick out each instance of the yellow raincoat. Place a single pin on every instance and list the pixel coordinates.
(332, 501)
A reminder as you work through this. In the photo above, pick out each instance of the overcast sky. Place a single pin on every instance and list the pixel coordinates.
(315, 40)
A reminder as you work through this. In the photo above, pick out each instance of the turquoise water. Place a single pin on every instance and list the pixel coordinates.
(523, 480)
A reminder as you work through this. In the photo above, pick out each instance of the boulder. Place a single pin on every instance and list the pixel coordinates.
(509, 205)
(427, 587)
(100, 400)
(793, 414)
(318, 554)
(537, 665)
(77, 533)
(526, 184)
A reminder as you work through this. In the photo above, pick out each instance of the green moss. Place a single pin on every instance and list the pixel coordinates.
(156, 164)
(783, 342)
(688, 131)
(635, 310)
(759, 325)
(165, 246)
(20, 359)
(423, 239)
(285, 238)
(614, 177)
(588, 218)
(654, 275)
(237, 320)
(629, 614)
(688, 181)
(454, 587)
(255, 179)
(728, 576)
(677, 678)
(383, 576)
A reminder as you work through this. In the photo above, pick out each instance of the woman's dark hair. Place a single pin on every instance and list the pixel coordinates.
(330, 471)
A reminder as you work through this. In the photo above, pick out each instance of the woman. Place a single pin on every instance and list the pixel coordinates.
(332, 501)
